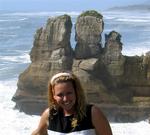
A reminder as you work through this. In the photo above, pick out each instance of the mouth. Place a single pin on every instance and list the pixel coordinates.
(67, 104)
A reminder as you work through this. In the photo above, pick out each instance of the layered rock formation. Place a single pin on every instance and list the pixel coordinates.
(89, 27)
(119, 84)
(51, 53)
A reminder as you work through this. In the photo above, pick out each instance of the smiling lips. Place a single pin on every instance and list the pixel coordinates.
(67, 104)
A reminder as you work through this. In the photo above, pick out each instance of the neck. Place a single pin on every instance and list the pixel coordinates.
(68, 113)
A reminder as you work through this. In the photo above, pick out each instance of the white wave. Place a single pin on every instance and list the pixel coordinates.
(19, 123)
(13, 20)
(7, 89)
(133, 50)
(136, 51)
(138, 128)
(128, 17)
(24, 58)
(8, 35)
(133, 20)
(10, 28)
(12, 121)
(110, 17)
(4, 69)
(142, 17)
(46, 13)
(69, 13)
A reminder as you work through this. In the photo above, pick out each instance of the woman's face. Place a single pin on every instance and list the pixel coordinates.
(65, 97)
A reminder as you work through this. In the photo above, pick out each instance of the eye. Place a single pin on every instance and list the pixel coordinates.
(69, 93)
(60, 95)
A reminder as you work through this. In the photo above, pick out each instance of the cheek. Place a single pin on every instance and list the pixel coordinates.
(75, 98)
(75, 95)
(56, 98)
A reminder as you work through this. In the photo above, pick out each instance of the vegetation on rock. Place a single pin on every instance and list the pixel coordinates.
(91, 13)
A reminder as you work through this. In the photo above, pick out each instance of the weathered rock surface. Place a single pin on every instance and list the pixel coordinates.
(51, 53)
(119, 84)
(88, 35)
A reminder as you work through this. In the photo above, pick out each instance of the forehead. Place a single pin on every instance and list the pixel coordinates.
(63, 86)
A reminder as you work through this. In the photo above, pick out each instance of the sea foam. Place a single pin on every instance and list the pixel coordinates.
(18, 123)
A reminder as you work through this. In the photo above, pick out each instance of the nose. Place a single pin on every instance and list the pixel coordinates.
(65, 98)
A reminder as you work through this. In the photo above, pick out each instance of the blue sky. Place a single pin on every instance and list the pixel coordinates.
(62, 5)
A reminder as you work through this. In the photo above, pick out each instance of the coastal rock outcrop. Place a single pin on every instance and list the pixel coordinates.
(113, 58)
(119, 84)
(88, 28)
(51, 53)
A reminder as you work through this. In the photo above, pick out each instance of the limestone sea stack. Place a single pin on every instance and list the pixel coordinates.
(51, 53)
(119, 84)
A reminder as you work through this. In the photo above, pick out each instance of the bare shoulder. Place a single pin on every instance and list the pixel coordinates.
(43, 124)
(96, 111)
(44, 117)
(100, 122)
(45, 113)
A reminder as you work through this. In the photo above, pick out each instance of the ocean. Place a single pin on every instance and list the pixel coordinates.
(17, 30)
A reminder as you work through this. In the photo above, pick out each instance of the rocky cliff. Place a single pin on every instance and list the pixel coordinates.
(119, 84)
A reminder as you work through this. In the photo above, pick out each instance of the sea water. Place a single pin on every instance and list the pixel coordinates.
(17, 30)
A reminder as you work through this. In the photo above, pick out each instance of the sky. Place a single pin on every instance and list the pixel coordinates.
(63, 5)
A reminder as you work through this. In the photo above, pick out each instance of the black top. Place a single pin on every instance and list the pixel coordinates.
(67, 124)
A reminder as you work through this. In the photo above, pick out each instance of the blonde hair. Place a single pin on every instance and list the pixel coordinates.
(80, 96)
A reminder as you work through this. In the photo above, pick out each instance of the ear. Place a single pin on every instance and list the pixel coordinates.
(54, 97)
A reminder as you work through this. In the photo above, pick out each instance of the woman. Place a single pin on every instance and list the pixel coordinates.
(68, 112)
